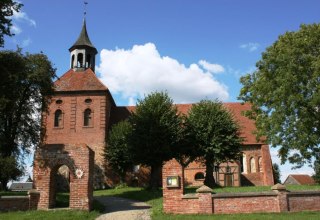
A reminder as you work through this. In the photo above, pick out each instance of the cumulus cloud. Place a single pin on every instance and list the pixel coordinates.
(250, 46)
(140, 70)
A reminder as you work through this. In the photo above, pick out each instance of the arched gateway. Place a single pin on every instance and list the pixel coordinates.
(79, 158)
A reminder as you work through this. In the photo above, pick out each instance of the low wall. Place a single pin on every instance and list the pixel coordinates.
(20, 203)
(205, 202)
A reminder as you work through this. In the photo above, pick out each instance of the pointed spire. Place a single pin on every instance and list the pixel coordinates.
(83, 39)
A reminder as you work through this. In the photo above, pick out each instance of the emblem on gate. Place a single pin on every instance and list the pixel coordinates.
(79, 173)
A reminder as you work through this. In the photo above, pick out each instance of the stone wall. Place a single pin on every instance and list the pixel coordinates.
(205, 202)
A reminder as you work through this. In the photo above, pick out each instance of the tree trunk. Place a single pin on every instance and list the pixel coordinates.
(154, 182)
(209, 180)
(4, 185)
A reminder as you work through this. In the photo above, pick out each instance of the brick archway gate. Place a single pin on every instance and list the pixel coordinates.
(79, 158)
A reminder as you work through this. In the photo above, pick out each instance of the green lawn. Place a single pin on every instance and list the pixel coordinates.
(154, 198)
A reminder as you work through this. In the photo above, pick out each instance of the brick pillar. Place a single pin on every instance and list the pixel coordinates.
(267, 166)
(34, 197)
(282, 197)
(172, 195)
(205, 200)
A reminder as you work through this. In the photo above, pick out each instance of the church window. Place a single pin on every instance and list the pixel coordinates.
(260, 164)
(88, 101)
(80, 60)
(199, 176)
(253, 165)
(59, 102)
(244, 164)
(87, 119)
(58, 118)
(88, 61)
(72, 61)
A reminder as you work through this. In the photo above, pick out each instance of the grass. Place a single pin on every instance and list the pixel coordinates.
(154, 198)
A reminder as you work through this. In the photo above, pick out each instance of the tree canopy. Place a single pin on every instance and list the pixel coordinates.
(215, 135)
(156, 125)
(25, 85)
(7, 7)
(118, 151)
(285, 94)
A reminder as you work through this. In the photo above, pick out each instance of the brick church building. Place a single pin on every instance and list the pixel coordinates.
(82, 111)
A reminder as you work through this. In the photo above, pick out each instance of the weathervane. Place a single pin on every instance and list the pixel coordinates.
(85, 8)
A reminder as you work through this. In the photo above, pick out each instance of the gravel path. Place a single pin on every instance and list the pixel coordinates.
(123, 209)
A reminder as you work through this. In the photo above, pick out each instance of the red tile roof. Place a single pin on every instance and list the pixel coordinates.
(236, 108)
(303, 179)
(79, 81)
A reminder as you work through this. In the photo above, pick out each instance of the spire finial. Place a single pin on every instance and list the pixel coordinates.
(85, 9)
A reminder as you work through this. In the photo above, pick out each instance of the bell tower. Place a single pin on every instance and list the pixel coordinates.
(82, 52)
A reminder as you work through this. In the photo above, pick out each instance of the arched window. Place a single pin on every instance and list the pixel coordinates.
(72, 61)
(260, 164)
(87, 117)
(80, 60)
(253, 165)
(58, 118)
(199, 176)
(88, 61)
(244, 163)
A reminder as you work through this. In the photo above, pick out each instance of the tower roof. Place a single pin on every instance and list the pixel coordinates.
(83, 40)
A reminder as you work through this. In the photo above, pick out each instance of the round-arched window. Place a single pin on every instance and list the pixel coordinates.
(199, 176)
(59, 102)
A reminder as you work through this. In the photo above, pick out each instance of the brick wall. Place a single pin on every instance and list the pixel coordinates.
(19, 203)
(49, 158)
(277, 200)
(72, 129)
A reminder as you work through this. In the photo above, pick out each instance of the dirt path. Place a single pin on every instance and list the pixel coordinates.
(123, 209)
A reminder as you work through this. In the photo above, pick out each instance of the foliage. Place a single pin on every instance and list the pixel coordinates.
(156, 126)
(276, 173)
(10, 170)
(26, 82)
(215, 135)
(118, 152)
(316, 168)
(7, 8)
(285, 94)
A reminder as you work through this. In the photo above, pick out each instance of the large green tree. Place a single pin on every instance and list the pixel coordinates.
(285, 94)
(215, 135)
(7, 7)
(276, 173)
(156, 125)
(118, 151)
(25, 85)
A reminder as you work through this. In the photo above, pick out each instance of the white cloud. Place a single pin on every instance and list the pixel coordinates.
(26, 42)
(18, 18)
(15, 29)
(136, 72)
(211, 67)
(23, 17)
(250, 46)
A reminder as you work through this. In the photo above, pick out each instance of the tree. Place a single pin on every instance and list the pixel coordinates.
(118, 151)
(25, 85)
(156, 125)
(7, 7)
(285, 94)
(10, 170)
(316, 168)
(276, 173)
(215, 135)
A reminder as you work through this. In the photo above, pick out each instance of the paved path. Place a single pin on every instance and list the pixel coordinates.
(123, 209)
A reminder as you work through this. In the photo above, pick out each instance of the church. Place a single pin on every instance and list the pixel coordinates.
(82, 111)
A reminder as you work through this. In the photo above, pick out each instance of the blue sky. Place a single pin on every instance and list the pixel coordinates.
(192, 49)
